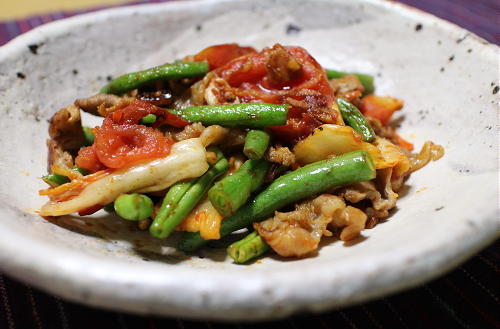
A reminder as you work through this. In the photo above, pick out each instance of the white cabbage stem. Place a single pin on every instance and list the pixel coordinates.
(186, 160)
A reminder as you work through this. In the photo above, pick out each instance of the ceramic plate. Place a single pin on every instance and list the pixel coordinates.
(446, 75)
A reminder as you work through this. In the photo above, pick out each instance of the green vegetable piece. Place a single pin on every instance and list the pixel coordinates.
(82, 171)
(183, 197)
(110, 207)
(231, 192)
(256, 144)
(148, 119)
(176, 71)
(356, 120)
(133, 206)
(249, 115)
(365, 79)
(89, 136)
(55, 180)
(249, 247)
(309, 180)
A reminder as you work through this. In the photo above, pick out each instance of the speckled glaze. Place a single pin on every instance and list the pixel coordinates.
(447, 76)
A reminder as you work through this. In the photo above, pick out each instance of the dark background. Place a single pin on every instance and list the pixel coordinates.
(468, 297)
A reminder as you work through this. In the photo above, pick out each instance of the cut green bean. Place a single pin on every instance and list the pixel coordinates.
(356, 120)
(250, 247)
(309, 180)
(231, 192)
(180, 70)
(133, 206)
(365, 79)
(148, 119)
(179, 202)
(248, 115)
(82, 171)
(256, 144)
(55, 180)
(110, 207)
(89, 136)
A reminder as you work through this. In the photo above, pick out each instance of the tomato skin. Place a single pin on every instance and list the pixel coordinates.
(138, 109)
(118, 146)
(87, 159)
(218, 55)
(248, 77)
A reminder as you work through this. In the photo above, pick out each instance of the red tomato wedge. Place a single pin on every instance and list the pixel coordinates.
(121, 141)
(133, 113)
(218, 55)
(118, 146)
(87, 159)
(307, 91)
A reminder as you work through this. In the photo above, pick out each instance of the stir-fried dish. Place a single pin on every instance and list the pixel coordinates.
(233, 138)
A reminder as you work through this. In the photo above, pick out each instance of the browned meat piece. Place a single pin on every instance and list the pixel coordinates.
(218, 91)
(198, 89)
(57, 157)
(281, 66)
(65, 129)
(382, 198)
(383, 130)
(194, 130)
(183, 101)
(429, 151)
(234, 138)
(348, 87)
(66, 138)
(91, 104)
(282, 155)
(298, 233)
(161, 97)
(346, 84)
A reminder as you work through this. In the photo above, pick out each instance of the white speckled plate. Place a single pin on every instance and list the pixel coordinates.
(446, 75)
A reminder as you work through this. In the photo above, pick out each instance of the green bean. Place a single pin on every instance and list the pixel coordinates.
(133, 206)
(256, 144)
(179, 202)
(82, 171)
(175, 71)
(89, 136)
(356, 119)
(55, 180)
(110, 207)
(249, 247)
(249, 115)
(304, 182)
(365, 79)
(231, 192)
(148, 119)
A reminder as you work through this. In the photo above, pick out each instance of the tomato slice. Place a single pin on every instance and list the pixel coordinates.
(249, 80)
(87, 159)
(118, 146)
(138, 109)
(121, 141)
(218, 55)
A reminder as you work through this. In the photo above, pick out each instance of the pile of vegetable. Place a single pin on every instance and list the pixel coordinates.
(229, 139)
